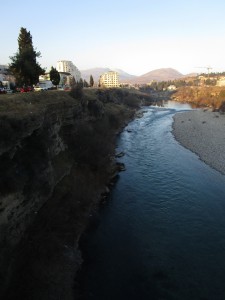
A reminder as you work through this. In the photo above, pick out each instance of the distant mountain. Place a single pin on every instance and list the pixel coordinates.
(191, 75)
(163, 74)
(97, 72)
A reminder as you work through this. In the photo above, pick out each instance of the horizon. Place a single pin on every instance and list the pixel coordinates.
(134, 37)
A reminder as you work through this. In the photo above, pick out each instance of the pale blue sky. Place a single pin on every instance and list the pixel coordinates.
(136, 36)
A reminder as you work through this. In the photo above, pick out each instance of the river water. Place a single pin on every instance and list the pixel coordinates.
(161, 235)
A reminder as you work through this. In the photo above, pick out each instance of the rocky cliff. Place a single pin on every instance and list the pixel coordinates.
(56, 160)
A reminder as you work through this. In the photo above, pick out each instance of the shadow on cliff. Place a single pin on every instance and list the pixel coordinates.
(57, 161)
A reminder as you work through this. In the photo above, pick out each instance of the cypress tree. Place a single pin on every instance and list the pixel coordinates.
(73, 82)
(54, 76)
(91, 81)
(24, 65)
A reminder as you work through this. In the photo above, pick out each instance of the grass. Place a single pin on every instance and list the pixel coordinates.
(35, 101)
(25, 103)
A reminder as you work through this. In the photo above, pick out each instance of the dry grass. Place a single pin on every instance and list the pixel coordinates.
(23, 103)
(211, 96)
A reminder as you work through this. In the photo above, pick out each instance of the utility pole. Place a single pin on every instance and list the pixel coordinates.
(208, 68)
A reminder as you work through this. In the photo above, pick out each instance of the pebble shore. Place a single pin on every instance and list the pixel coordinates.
(202, 132)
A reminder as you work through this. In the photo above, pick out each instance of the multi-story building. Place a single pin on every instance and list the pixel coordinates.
(109, 79)
(66, 66)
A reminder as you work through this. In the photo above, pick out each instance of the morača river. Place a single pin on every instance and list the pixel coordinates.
(161, 235)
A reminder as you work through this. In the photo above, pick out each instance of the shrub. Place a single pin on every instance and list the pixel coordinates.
(77, 92)
(132, 101)
(95, 108)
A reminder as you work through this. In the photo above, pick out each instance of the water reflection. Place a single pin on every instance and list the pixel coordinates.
(174, 105)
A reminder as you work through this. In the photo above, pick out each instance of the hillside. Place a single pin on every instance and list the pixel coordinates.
(202, 96)
(163, 74)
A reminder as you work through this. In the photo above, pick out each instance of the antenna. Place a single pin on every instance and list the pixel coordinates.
(208, 68)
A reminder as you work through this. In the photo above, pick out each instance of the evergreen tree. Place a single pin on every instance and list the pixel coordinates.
(72, 82)
(81, 83)
(54, 76)
(91, 81)
(24, 65)
(85, 83)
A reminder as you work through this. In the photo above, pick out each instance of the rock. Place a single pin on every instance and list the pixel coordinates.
(120, 154)
(120, 167)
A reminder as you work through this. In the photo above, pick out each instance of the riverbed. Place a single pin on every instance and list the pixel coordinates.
(161, 234)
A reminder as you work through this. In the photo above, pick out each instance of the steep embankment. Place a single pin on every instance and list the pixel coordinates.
(56, 162)
(210, 96)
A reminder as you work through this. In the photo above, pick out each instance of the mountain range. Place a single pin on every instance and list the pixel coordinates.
(163, 74)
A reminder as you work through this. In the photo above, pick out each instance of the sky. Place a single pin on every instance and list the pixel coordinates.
(135, 36)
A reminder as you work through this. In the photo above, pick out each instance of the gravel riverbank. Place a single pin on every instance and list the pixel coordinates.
(202, 132)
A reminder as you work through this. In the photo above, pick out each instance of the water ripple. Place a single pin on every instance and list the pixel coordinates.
(162, 234)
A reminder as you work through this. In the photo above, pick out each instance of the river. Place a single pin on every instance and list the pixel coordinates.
(161, 235)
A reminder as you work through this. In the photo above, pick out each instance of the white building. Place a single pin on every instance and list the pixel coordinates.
(109, 79)
(221, 81)
(66, 66)
(171, 88)
(4, 69)
(5, 74)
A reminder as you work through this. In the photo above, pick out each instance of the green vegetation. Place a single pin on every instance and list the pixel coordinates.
(54, 76)
(77, 92)
(19, 105)
(24, 65)
(91, 81)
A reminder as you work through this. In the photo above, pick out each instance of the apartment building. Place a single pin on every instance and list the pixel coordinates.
(66, 66)
(109, 79)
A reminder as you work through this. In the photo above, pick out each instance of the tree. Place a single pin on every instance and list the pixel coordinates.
(72, 82)
(85, 84)
(54, 76)
(77, 92)
(80, 82)
(91, 81)
(24, 65)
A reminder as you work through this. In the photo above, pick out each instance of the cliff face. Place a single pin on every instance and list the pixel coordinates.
(31, 151)
(55, 163)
